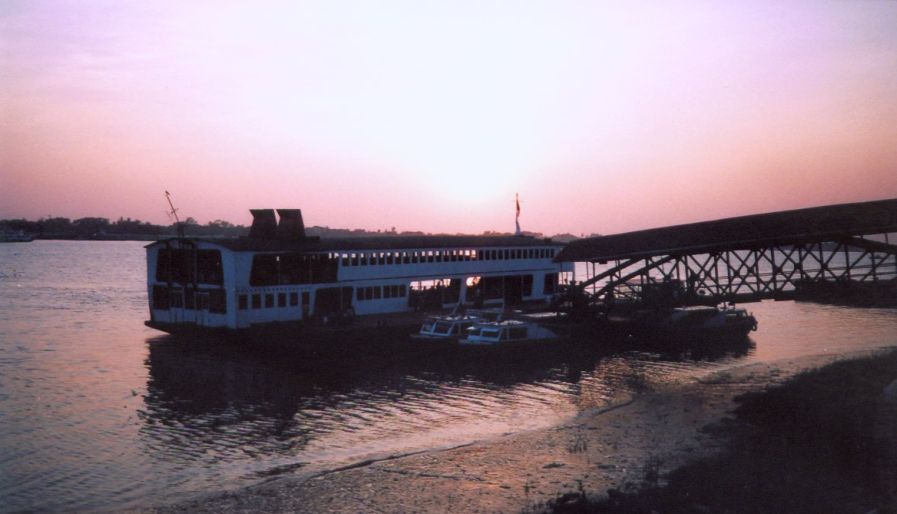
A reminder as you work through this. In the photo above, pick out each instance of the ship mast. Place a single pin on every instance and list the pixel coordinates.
(174, 212)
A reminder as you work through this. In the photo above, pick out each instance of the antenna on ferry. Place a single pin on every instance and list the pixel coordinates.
(174, 212)
(517, 219)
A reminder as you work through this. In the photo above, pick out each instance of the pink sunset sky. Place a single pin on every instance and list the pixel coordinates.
(603, 116)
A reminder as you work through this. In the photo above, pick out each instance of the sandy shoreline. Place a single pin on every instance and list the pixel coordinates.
(597, 450)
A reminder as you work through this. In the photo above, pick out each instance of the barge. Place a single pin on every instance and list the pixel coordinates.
(280, 281)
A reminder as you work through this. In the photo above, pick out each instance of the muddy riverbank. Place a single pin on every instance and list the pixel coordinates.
(595, 451)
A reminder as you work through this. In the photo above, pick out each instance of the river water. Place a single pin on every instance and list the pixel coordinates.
(98, 412)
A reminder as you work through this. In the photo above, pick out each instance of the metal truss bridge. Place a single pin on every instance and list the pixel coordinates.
(779, 255)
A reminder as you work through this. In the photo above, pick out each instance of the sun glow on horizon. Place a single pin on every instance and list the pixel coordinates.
(432, 116)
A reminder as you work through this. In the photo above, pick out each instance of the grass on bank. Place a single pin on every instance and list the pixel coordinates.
(826, 441)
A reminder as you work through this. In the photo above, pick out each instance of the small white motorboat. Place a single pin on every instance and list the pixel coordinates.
(452, 327)
(507, 333)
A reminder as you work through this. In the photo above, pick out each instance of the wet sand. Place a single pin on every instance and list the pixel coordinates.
(595, 451)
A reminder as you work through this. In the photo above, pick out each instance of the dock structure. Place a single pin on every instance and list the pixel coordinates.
(779, 255)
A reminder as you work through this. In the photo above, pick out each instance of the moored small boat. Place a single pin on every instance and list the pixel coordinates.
(451, 327)
(507, 333)
(702, 322)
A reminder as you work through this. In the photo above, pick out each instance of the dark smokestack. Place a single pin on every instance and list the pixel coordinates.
(264, 224)
(291, 225)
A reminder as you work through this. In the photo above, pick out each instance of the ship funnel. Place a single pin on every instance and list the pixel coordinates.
(291, 225)
(264, 224)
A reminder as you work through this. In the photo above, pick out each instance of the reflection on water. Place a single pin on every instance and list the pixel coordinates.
(251, 414)
(241, 416)
(100, 413)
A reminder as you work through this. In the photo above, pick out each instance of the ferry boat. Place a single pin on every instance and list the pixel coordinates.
(278, 277)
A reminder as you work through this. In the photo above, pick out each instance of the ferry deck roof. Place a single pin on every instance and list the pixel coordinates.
(800, 226)
(314, 244)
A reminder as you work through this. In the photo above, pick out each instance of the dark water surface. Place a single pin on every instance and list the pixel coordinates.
(98, 412)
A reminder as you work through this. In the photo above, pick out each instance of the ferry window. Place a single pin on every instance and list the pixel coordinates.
(264, 270)
(189, 300)
(376, 292)
(405, 258)
(177, 298)
(527, 285)
(359, 294)
(269, 300)
(551, 282)
(402, 290)
(354, 259)
(174, 265)
(217, 301)
(281, 299)
(345, 259)
(387, 291)
(305, 298)
(256, 301)
(208, 267)
(243, 302)
(161, 298)
(294, 299)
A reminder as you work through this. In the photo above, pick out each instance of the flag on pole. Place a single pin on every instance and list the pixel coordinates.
(517, 219)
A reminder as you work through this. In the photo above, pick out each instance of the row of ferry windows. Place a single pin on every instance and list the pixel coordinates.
(270, 300)
(426, 256)
(377, 292)
(256, 299)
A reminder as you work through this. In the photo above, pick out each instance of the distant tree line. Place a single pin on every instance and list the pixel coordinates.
(123, 228)
(128, 229)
